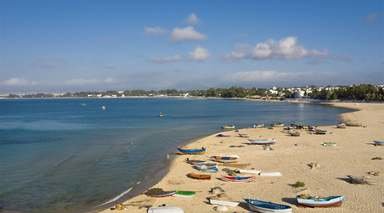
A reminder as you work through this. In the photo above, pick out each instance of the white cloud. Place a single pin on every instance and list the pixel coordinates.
(286, 48)
(18, 82)
(89, 81)
(257, 76)
(154, 30)
(186, 33)
(168, 59)
(192, 19)
(199, 54)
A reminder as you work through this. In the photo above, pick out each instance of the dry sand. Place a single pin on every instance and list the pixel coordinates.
(290, 156)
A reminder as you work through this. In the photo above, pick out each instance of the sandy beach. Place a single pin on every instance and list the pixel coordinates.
(290, 155)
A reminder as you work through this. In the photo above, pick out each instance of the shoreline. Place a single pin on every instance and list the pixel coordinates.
(175, 163)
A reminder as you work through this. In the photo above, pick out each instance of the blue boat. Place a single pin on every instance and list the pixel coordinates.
(192, 151)
(267, 207)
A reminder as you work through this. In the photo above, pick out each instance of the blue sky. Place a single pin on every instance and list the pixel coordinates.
(98, 45)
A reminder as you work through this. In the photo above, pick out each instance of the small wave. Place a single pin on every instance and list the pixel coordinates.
(116, 198)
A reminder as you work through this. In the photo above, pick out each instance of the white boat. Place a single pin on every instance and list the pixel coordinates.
(223, 202)
(270, 174)
(103, 107)
(248, 171)
(321, 202)
(262, 141)
(378, 142)
(165, 209)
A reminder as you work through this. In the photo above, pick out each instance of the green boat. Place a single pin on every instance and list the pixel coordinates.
(184, 194)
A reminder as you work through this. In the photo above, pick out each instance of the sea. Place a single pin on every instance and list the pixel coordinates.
(80, 155)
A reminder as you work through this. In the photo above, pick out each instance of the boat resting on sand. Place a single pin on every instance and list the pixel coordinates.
(267, 207)
(237, 179)
(261, 141)
(186, 194)
(331, 201)
(158, 192)
(270, 174)
(225, 158)
(192, 151)
(248, 171)
(223, 202)
(206, 168)
(235, 165)
(320, 131)
(341, 126)
(378, 142)
(199, 176)
(165, 209)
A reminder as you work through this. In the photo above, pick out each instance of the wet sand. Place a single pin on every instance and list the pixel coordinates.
(291, 155)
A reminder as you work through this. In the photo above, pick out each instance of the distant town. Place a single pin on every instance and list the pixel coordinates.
(362, 92)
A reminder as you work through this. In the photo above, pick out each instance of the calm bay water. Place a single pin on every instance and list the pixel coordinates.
(69, 155)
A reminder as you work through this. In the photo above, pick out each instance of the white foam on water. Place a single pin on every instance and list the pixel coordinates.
(116, 198)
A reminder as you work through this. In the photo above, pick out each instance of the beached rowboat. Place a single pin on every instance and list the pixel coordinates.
(223, 202)
(192, 151)
(320, 131)
(240, 179)
(158, 192)
(225, 158)
(206, 168)
(186, 194)
(235, 165)
(267, 207)
(199, 176)
(330, 201)
(165, 209)
(262, 141)
(270, 174)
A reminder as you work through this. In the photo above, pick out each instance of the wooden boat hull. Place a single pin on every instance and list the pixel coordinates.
(332, 201)
(267, 207)
(199, 176)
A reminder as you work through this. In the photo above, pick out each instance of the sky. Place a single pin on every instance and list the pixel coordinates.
(57, 46)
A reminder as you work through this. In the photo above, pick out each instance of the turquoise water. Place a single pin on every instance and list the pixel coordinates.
(69, 155)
